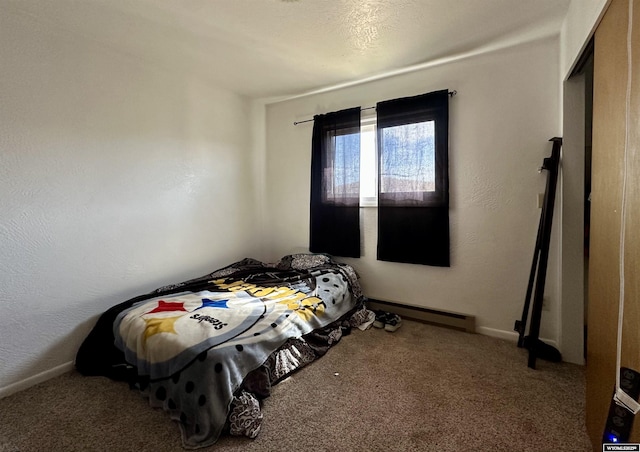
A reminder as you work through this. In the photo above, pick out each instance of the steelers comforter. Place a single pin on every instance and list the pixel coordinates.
(189, 346)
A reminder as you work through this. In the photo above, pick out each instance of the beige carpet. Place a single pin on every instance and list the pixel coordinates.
(422, 388)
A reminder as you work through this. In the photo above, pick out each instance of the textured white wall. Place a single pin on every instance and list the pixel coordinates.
(579, 24)
(116, 177)
(506, 110)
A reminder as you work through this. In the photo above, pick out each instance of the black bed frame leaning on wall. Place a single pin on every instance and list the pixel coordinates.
(539, 268)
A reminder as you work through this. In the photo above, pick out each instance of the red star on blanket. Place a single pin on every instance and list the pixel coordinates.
(163, 306)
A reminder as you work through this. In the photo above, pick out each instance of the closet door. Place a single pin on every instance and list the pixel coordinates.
(609, 117)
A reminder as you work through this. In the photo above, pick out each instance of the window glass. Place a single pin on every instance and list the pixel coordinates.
(342, 178)
(408, 160)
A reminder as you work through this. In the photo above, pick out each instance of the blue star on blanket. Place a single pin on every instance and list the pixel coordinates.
(220, 304)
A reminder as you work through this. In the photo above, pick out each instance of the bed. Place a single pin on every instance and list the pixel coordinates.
(208, 350)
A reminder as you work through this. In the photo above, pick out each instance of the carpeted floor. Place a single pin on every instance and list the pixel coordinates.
(422, 388)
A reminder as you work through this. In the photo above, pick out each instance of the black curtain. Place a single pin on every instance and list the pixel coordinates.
(335, 184)
(413, 179)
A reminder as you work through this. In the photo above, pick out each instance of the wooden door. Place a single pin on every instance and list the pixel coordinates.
(609, 118)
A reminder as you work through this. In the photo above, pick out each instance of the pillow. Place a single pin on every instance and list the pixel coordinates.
(303, 261)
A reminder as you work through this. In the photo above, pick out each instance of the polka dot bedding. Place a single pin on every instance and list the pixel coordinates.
(189, 346)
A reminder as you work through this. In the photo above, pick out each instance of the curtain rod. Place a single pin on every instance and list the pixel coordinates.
(451, 94)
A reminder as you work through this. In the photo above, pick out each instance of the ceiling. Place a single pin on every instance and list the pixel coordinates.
(279, 48)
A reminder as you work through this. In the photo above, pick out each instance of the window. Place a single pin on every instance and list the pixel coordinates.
(407, 165)
(408, 161)
(397, 161)
(342, 172)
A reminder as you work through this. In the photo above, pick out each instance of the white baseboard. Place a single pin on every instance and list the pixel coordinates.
(500, 334)
(511, 336)
(34, 380)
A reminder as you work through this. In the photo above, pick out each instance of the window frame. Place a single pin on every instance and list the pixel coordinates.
(369, 123)
(437, 197)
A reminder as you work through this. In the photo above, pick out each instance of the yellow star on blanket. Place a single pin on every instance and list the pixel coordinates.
(159, 325)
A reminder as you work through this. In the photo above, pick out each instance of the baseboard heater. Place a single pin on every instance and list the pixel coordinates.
(448, 319)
